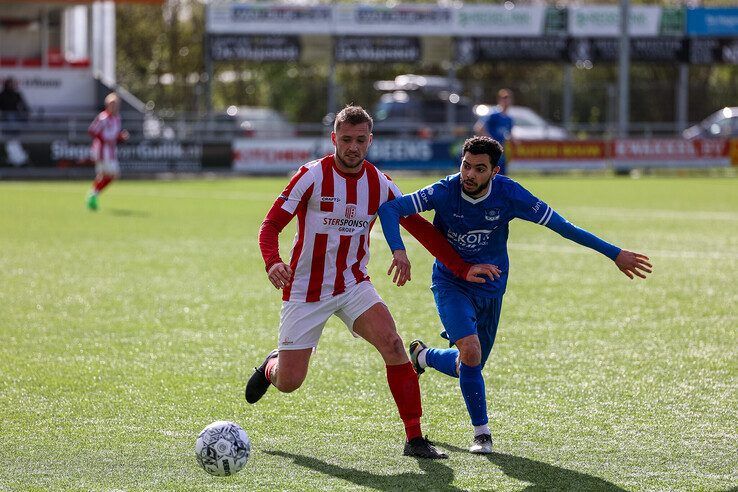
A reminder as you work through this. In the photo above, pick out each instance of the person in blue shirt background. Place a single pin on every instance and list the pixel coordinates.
(498, 123)
(473, 210)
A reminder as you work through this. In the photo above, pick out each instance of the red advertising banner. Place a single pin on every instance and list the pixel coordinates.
(734, 151)
(622, 153)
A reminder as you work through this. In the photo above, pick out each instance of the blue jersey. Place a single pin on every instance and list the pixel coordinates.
(498, 125)
(477, 228)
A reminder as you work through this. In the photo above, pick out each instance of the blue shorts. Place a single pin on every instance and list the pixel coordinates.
(463, 315)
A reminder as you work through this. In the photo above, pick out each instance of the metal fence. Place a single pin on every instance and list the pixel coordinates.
(222, 128)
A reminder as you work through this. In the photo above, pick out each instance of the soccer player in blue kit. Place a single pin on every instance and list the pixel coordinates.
(473, 209)
(498, 124)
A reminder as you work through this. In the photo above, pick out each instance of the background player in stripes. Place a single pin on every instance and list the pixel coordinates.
(336, 199)
(106, 131)
(473, 209)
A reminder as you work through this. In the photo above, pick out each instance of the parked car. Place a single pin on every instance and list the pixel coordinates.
(252, 121)
(527, 124)
(720, 124)
(422, 106)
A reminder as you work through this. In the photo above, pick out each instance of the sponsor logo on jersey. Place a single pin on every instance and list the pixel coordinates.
(336, 222)
(470, 240)
(492, 214)
(425, 194)
(329, 199)
(350, 211)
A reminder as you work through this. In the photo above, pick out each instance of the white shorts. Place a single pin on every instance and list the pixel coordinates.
(109, 166)
(301, 323)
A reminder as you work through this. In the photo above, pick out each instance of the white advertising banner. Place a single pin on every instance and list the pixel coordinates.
(406, 20)
(250, 18)
(604, 21)
(55, 89)
(497, 20)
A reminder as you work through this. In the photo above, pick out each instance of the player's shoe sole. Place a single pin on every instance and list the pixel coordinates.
(421, 447)
(415, 348)
(482, 444)
(258, 384)
(91, 202)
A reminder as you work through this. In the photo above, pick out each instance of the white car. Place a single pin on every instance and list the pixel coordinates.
(527, 124)
(720, 124)
(261, 122)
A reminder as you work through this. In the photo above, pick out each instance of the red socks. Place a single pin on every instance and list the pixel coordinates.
(268, 369)
(99, 184)
(403, 383)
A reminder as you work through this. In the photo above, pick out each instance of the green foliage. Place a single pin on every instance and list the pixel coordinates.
(124, 332)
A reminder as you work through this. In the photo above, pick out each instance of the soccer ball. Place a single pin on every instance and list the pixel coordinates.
(222, 448)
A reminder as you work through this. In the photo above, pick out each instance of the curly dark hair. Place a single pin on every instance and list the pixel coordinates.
(483, 145)
(353, 115)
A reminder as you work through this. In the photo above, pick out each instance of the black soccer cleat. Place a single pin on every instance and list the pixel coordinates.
(415, 348)
(258, 383)
(421, 447)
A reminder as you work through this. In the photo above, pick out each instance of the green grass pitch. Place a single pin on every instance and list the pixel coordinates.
(124, 332)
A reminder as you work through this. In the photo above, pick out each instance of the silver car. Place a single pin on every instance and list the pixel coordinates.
(720, 124)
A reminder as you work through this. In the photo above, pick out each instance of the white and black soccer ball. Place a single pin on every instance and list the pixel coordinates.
(222, 448)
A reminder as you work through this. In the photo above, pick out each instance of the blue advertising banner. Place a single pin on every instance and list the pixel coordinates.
(722, 22)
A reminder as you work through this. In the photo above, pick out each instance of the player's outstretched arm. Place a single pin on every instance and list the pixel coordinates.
(633, 264)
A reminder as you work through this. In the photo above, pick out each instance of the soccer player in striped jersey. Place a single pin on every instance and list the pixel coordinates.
(473, 209)
(106, 131)
(336, 199)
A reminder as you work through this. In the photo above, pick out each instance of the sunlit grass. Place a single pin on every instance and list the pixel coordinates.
(124, 332)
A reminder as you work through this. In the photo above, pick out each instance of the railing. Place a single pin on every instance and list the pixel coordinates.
(218, 128)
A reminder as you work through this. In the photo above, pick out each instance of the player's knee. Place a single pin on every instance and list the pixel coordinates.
(470, 354)
(392, 346)
(287, 383)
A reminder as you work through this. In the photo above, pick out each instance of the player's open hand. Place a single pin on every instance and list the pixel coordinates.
(478, 272)
(633, 264)
(401, 266)
(280, 275)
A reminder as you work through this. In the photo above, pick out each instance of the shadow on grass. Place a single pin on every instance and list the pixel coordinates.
(122, 212)
(542, 476)
(437, 476)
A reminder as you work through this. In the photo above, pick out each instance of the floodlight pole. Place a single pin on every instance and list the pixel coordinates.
(208, 90)
(568, 96)
(682, 106)
(331, 100)
(624, 70)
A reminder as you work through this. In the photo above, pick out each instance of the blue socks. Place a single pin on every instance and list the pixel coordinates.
(443, 360)
(474, 393)
(470, 380)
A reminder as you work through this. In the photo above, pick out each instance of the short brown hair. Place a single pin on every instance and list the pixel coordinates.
(353, 115)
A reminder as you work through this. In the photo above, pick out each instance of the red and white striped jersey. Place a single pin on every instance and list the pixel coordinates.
(105, 130)
(335, 214)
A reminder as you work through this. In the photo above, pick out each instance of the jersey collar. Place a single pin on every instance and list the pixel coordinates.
(344, 175)
(474, 201)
